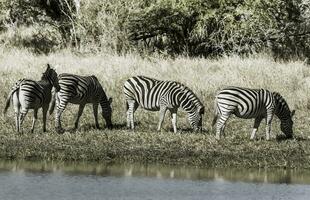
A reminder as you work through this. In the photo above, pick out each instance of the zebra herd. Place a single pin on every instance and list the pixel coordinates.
(150, 94)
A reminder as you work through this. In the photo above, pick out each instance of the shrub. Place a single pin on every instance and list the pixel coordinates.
(194, 27)
(213, 28)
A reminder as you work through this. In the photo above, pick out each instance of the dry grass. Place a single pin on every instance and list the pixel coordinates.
(203, 76)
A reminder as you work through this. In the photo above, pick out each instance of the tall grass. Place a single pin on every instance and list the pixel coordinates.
(205, 77)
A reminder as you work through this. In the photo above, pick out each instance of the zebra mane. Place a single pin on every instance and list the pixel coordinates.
(185, 90)
(94, 77)
(282, 108)
(47, 73)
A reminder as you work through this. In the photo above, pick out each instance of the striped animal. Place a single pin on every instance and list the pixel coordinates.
(252, 103)
(155, 95)
(28, 94)
(81, 90)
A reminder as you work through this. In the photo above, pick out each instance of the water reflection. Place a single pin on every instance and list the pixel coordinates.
(160, 171)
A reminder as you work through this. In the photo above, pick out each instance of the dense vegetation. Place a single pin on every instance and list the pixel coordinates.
(191, 27)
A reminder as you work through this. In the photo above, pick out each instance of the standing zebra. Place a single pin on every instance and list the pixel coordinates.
(28, 94)
(252, 103)
(81, 90)
(155, 95)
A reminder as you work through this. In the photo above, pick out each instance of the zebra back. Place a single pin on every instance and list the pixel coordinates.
(148, 92)
(243, 102)
(81, 89)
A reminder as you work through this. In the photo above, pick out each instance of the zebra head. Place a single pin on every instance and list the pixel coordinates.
(192, 105)
(107, 112)
(283, 112)
(195, 118)
(51, 75)
(287, 125)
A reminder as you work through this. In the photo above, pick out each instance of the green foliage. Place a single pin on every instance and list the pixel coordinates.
(52, 23)
(192, 27)
(212, 28)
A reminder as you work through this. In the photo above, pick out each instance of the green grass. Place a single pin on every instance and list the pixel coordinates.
(203, 76)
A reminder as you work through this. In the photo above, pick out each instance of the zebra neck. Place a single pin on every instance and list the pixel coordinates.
(186, 102)
(103, 99)
(283, 112)
(45, 83)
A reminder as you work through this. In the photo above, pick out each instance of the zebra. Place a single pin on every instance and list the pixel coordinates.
(156, 95)
(81, 90)
(28, 94)
(252, 103)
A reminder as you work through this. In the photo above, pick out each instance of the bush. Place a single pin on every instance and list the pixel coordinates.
(213, 28)
(59, 15)
(194, 27)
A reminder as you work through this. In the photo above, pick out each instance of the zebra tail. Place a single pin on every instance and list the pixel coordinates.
(214, 120)
(215, 112)
(52, 107)
(8, 100)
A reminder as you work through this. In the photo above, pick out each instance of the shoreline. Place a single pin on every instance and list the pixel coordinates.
(200, 150)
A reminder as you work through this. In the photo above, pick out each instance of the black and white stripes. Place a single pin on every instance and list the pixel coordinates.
(81, 90)
(252, 103)
(150, 94)
(28, 94)
(155, 95)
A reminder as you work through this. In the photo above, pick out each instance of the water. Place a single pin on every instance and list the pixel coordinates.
(37, 181)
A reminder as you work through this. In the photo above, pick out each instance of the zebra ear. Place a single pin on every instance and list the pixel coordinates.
(110, 100)
(202, 110)
(292, 113)
(48, 67)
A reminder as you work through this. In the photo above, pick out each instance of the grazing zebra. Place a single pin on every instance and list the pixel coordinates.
(155, 95)
(81, 90)
(28, 94)
(252, 103)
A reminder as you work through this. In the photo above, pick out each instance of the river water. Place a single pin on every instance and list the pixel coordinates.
(62, 181)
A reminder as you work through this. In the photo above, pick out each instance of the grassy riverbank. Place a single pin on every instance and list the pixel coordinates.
(205, 77)
(148, 147)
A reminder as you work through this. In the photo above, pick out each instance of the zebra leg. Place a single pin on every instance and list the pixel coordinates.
(132, 107)
(60, 108)
(174, 119)
(17, 121)
(268, 125)
(95, 110)
(81, 108)
(35, 117)
(16, 111)
(17, 116)
(22, 115)
(162, 113)
(127, 115)
(44, 112)
(220, 125)
(255, 127)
